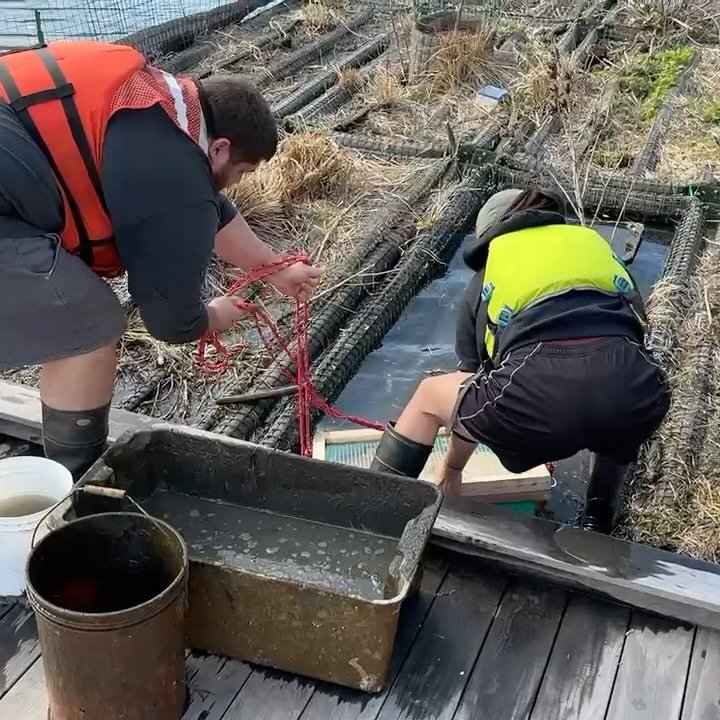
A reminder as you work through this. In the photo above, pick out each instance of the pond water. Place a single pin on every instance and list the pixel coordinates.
(96, 19)
(423, 340)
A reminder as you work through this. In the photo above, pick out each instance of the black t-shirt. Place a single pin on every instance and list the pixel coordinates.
(165, 212)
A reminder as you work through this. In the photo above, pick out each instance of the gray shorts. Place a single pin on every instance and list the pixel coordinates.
(52, 305)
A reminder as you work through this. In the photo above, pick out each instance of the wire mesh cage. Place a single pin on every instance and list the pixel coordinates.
(24, 23)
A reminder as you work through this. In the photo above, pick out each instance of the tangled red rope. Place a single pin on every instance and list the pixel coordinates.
(307, 395)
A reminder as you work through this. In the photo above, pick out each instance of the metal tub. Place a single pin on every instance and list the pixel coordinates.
(296, 564)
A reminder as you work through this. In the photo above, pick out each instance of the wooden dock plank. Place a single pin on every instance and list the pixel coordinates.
(579, 678)
(702, 693)
(213, 683)
(19, 645)
(436, 671)
(653, 669)
(506, 677)
(271, 695)
(658, 581)
(331, 702)
(27, 700)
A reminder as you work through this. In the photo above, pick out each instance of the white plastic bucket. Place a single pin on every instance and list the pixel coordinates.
(24, 479)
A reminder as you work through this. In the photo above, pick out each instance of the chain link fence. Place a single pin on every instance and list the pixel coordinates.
(26, 22)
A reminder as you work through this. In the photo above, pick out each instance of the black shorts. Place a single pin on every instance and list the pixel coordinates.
(548, 401)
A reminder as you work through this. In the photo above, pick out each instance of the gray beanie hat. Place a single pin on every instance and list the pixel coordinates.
(494, 209)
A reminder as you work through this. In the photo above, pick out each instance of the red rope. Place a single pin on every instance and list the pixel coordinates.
(307, 395)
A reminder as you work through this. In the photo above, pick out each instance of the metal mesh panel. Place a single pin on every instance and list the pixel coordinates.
(376, 251)
(318, 85)
(25, 23)
(377, 315)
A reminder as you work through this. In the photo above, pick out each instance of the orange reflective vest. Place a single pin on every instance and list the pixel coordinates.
(65, 94)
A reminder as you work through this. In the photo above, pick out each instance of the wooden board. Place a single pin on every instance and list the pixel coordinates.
(510, 666)
(656, 655)
(19, 646)
(27, 700)
(641, 576)
(437, 669)
(702, 693)
(579, 677)
(271, 695)
(484, 476)
(21, 415)
(213, 683)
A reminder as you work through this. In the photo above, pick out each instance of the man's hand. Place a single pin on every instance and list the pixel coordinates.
(299, 280)
(223, 312)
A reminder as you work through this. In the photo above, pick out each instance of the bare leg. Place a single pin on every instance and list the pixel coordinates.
(430, 407)
(80, 382)
(76, 393)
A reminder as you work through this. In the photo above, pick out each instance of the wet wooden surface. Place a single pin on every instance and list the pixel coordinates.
(474, 643)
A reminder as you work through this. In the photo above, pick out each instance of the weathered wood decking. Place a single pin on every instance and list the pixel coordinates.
(517, 618)
(473, 645)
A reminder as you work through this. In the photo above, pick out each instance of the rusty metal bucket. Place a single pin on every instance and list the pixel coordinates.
(109, 593)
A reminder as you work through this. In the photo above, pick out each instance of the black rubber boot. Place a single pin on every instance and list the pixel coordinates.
(603, 494)
(75, 439)
(399, 455)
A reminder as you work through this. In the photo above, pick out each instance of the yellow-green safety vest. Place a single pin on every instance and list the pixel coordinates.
(528, 266)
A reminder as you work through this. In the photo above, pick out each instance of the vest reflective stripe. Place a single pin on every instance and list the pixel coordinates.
(527, 267)
(65, 94)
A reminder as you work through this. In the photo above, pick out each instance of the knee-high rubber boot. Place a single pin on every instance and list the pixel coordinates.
(75, 438)
(399, 455)
(603, 494)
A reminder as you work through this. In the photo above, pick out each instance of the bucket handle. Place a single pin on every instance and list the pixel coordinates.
(98, 490)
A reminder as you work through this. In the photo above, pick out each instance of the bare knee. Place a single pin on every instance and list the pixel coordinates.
(81, 382)
(437, 395)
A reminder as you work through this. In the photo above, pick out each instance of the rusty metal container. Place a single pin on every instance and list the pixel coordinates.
(295, 564)
(109, 593)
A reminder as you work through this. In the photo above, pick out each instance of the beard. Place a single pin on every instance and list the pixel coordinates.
(221, 178)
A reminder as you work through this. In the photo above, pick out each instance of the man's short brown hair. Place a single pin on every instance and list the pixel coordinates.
(235, 109)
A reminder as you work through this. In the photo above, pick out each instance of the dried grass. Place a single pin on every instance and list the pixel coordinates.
(307, 166)
(386, 87)
(461, 60)
(691, 141)
(677, 499)
(321, 15)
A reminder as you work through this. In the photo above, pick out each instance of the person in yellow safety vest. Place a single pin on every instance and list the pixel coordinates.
(551, 358)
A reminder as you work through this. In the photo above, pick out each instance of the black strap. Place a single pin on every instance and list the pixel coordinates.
(12, 91)
(73, 119)
(24, 102)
